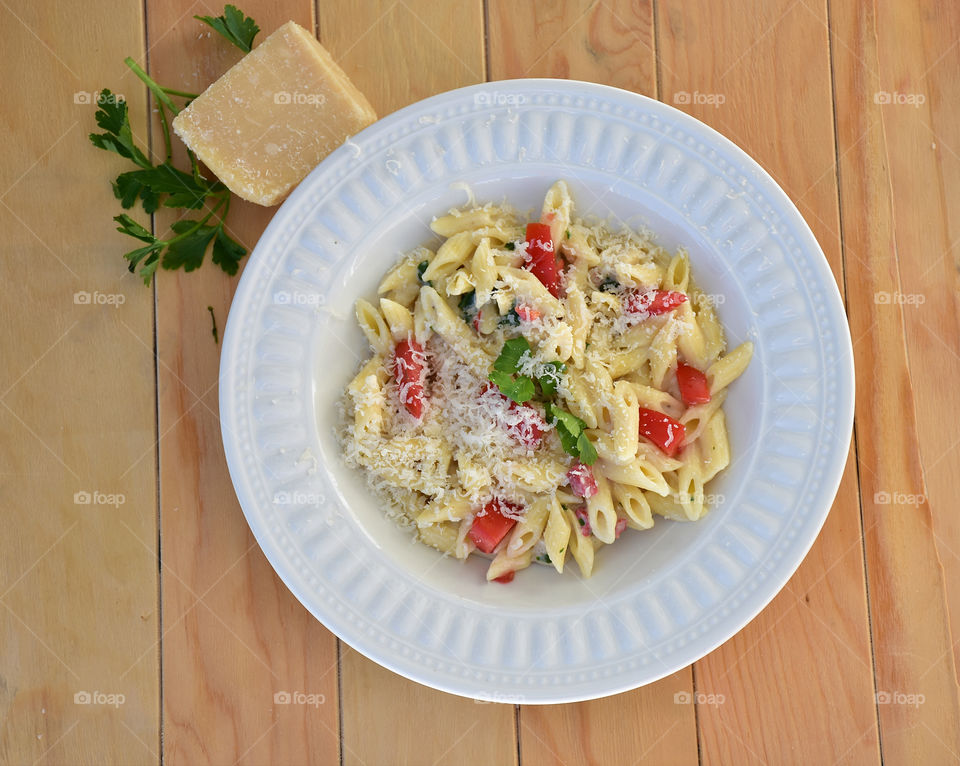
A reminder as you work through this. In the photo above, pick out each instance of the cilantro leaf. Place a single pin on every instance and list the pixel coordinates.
(519, 389)
(234, 26)
(509, 359)
(227, 253)
(112, 117)
(187, 250)
(573, 437)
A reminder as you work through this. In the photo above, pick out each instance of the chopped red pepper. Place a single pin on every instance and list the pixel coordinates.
(668, 434)
(694, 386)
(490, 526)
(409, 367)
(505, 578)
(529, 425)
(651, 302)
(528, 313)
(582, 481)
(542, 259)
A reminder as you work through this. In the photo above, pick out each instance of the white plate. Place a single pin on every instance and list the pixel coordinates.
(658, 600)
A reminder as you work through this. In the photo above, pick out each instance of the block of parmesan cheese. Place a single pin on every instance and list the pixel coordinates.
(272, 117)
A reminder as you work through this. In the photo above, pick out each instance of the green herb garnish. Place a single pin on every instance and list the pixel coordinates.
(568, 233)
(468, 306)
(234, 26)
(163, 184)
(609, 285)
(573, 437)
(513, 384)
(422, 267)
(510, 246)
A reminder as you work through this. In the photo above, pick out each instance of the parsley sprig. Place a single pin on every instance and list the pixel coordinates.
(163, 184)
(233, 25)
(522, 388)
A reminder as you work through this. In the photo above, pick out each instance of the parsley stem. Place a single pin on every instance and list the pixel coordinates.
(181, 93)
(167, 146)
(157, 91)
(199, 223)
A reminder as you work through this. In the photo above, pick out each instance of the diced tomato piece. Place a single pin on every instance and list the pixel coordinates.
(618, 529)
(542, 259)
(528, 313)
(694, 386)
(582, 481)
(668, 434)
(505, 578)
(584, 518)
(409, 368)
(652, 302)
(490, 526)
(527, 424)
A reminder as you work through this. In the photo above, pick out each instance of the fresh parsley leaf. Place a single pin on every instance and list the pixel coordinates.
(509, 359)
(187, 250)
(422, 267)
(571, 431)
(468, 306)
(227, 253)
(588, 453)
(128, 188)
(519, 389)
(510, 246)
(234, 26)
(148, 258)
(112, 117)
(510, 319)
(132, 228)
(549, 380)
(568, 233)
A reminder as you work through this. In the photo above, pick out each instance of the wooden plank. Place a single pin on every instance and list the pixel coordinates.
(610, 43)
(380, 708)
(78, 574)
(913, 644)
(233, 635)
(917, 69)
(398, 53)
(803, 664)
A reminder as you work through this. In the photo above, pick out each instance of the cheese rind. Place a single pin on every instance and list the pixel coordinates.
(273, 116)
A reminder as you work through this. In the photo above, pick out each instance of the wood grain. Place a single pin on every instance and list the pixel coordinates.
(611, 43)
(78, 580)
(233, 635)
(803, 663)
(397, 53)
(913, 652)
(918, 67)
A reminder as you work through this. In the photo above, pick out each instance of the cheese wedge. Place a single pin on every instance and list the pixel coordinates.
(273, 116)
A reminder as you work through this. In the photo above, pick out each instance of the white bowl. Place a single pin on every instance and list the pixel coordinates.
(659, 599)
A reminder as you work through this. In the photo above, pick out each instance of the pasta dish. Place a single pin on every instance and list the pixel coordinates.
(537, 388)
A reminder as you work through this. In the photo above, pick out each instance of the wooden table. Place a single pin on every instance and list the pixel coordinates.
(160, 594)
